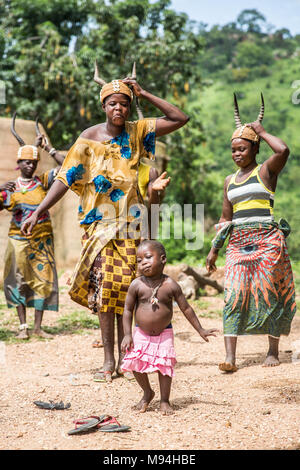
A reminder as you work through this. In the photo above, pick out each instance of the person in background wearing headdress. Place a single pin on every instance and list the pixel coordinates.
(30, 278)
(102, 168)
(259, 289)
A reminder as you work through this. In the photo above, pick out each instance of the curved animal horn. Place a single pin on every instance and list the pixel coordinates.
(237, 118)
(133, 73)
(13, 130)
(97, 79)
(37, 129)
(138, 109)
(262, 109)
(137, 105)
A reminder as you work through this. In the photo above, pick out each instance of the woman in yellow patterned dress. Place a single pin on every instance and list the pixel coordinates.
(30, 278)
(150, 186)
(102, 168)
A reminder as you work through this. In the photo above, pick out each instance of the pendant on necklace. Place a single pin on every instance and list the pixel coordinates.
(24, 191)
(154, 300)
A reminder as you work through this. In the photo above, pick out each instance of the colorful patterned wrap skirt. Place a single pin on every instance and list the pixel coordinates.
(30, 277)
(259, 287)
(151, 353)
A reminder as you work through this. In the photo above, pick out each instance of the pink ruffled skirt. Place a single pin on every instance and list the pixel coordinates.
(151, 353)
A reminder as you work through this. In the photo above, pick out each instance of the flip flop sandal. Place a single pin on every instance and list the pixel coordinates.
(129, 376)
(104, 376)
(86, 425)
(126, 374)
(114, 428)
(110, 424)
(97, 344)
(52, 406)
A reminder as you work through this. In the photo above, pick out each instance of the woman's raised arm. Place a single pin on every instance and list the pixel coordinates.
(173, 117)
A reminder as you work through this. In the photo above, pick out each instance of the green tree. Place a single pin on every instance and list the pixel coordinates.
(250, 54)
(50, 49)
(250, 20)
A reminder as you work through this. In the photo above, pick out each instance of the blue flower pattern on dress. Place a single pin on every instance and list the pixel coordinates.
(123, 141)
(116, 194)
(92, 216)
(135, 211)
(149, 142)
(75, 173)
(102, 185)
(125, 152)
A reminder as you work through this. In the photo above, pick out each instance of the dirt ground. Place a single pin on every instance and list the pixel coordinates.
(255, 408)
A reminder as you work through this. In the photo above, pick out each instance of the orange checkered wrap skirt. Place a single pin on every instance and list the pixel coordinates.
(111, 275)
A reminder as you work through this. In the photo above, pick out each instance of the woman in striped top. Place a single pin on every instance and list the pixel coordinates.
(259, 288)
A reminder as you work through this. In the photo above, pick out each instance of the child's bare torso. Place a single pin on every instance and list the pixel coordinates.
(153, 318)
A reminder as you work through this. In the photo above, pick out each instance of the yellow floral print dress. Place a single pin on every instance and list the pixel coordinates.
(105, 176)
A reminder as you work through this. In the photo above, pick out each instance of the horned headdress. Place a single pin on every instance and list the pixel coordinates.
(117, 86)
(25, 152)
(242, 131)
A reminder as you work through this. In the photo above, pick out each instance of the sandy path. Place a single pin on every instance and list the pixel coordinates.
(256, 408)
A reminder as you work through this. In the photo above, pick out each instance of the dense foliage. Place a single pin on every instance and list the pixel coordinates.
(276, 72)
(48, 50)
(47, 54)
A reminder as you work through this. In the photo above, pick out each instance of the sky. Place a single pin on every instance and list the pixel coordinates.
(279, 13)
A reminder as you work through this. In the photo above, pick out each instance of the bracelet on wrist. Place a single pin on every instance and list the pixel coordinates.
(52, 151)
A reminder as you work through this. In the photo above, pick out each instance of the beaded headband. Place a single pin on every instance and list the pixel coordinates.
(117, 86)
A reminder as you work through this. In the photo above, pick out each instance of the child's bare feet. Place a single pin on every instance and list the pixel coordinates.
(142, 405)
(166, 408)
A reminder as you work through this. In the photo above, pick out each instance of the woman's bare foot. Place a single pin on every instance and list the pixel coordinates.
(272, 358)
(271, 361)
(165, 408)
(142, 405)
(23, 334)
(228, 367)
(42, 334)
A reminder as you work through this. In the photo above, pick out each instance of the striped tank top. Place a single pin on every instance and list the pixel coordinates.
(250, 199)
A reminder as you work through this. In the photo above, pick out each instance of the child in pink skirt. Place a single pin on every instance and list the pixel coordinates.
(151, 348)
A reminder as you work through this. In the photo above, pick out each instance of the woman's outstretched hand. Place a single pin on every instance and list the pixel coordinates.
(161, 182)
(209, 332)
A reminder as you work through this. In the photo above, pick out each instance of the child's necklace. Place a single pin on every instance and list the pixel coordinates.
(153, 298)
